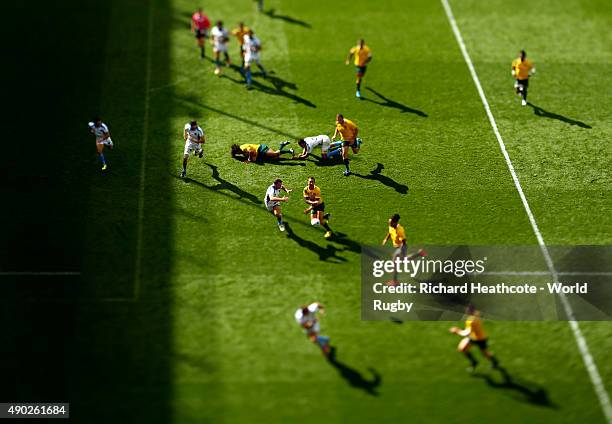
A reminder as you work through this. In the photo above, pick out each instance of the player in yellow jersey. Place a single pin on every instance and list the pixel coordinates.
(312, 196)
(348, 131)
(362, 55)
(473, 334)
(258, 152)
(522, 69)
(398, 238)
(239, 32)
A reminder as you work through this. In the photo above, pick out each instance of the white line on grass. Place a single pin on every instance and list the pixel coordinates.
(143, 152)
(591, 367)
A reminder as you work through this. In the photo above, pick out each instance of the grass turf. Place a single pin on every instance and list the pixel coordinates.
(211, 337)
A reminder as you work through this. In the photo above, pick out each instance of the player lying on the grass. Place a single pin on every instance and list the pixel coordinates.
(306, 317)
(329, 150)
(398, 238)
(258, 152)
(312, 196)
(239, 33)
(219, 37)
(199, 26)
(273, 200)
(194, 139)
(522, 69)
(252, 47)
(473, 334)
(100, 131)
(348, 131)
(363, 56)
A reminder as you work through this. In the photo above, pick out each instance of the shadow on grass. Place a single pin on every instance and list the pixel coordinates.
(278, 87)
(347, 242)
(353, 377)
(271, 13)
(538, 111)
(325, 162)
(386, 102)
(521, 389)
(279, 162)
(377, 175)
(326, 254)
(238, 118)
(225, 186)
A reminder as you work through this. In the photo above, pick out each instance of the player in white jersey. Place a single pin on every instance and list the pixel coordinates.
(100, 131)
(219, 37)
(306, 317)
(328, 149)
(194, 139)
(273, 199)
(252, 47)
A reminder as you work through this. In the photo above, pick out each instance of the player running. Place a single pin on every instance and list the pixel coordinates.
(239, 33)
(259, 152)
(100, 131)
(219, 38)
(200, 25)
(312, 196)
(347, 131)
(473, 334)
(306, 317)
(273, 200)
(362, 56)
(252, 47)
(328, 149)
(522, 69)
(398, 238)
(194, 139)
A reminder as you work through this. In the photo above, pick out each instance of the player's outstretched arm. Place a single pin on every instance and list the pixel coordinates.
(385, 239)
(335, 134)
(348, 58)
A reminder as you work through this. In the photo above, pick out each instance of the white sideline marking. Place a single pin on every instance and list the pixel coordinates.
(591, 367)
(143, 151)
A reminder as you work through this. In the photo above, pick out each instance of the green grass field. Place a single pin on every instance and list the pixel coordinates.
(183, 308)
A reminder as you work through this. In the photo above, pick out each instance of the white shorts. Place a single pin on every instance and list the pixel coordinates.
(108, 142)
(251, 57)
(270, 206)
(191, 147)
(220, 47)
(325, 144)
(315, 329)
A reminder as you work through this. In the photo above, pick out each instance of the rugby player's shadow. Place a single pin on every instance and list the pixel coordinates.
(376, 175)
(223, 185)
(538, 111)
(385, 101)
(348, 243)
(354, 377)
(278, 162)
(196, 108)
(326, 254)
(271, 13)
(319, 161)
(278, 86)
(527, 391)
